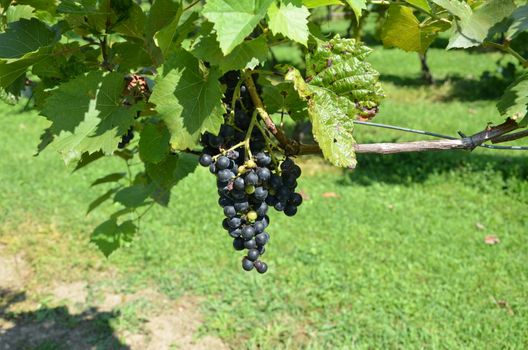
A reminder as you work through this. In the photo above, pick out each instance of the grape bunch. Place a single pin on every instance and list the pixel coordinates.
(249, 181)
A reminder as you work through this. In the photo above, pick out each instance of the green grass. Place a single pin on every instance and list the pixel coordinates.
(396, 261)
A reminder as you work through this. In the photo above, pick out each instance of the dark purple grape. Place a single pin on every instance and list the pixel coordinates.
(242, 206)
(247, 264)
(250, 244)
(253, 254)
(239, 184)
(258, 226)
(262, 238)
(205, 160)
(296, 171)
(251, 178)
(263, 174)
(225, 224)
(262, 209)
(290, 210)
(237, 232)
(212, 168)
(262, 267)
(275, 181)
(216, 141)
(295, 199)
(222, 163)
(263, 159)
(225, 175)
(234, 222)
(260, 193)
(287, 165)
(248, 232)
(271, 200)
(261, 249)
(238, 244)
(229, 211)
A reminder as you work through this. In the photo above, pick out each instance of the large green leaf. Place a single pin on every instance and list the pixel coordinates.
(234, 19)
(133, 196)
(472, 26)
(188, 97)
(357, 6)
(341, 86)
(16, 13)
(87, 114)
(290, 21)
(109, 236)
(403, 30)
(162, 13)
(520, 22)
(154, 143)
(23, 37)
(249, 54)
(514, 102)
(133, 23)
(421, 4)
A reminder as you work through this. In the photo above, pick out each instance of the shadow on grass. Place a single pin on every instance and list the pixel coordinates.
(54, 328)
(409, 168)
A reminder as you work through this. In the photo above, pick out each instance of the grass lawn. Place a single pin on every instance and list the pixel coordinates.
(391, 255)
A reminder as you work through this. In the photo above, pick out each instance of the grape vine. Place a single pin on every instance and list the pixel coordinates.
(158, 83)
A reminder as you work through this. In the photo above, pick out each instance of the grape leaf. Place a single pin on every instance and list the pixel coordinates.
(234, 19)
(357, 6)
(161, 14)
(23, 37)
(422, 4)
(290, 21)
(109, 236)
(87, 114)
(188, 98)
(340, 86)
(249, 54)
(134, 23)
(16, 13)
(282, 96)
(154, 143)
(473, 26)
(403, 30)
(319, 3)
(45, 5)
(514, 102)
(165, 36)
(520, 22)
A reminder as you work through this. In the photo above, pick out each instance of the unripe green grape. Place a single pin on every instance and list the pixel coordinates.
(252, 216)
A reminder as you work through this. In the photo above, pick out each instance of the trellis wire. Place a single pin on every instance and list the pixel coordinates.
(434, 134)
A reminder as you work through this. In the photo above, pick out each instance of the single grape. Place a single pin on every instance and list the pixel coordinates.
(262, 267)
(253, 254)
(238, 243)
(290, 210)
(222, 163)
(295, 199)
(229, 211)
(248, 232)
(251, 179)
(216, 141)
(237, 232)
(296, 171)
(205, 159)
(250, 244)
(275, 181)
(212, 168)
(224, 201)
(225, 224)
(251, 163)
(262, 238)
(247, 264)
(227, 131)
(261, 193)
(287, 164)
(259, 226)
(263, 159)
(289, 181)
(262, 209)
(261, 250)
(225, 175)
(241, 206)
(234, 222)
(263, 174)
(238, 194)
(239, 184)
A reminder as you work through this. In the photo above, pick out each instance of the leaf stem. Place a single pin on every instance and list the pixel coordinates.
(247, 139)
(506, 48)
(191, 5)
